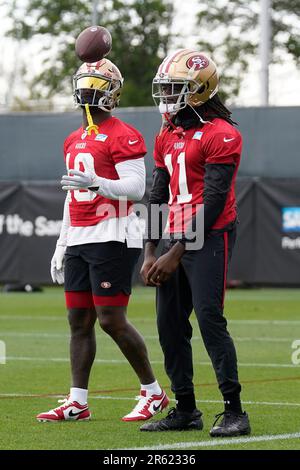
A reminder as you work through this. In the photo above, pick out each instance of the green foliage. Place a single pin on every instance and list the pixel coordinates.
(232, 36)
(140, 32)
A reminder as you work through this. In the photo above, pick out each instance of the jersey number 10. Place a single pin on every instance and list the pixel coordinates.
(82, 161)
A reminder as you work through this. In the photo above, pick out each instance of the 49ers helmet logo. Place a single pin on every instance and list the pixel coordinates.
(197, 62)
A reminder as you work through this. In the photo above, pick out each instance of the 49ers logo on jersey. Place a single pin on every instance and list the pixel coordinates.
(197, 62)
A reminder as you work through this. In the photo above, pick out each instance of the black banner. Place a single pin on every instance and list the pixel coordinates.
(30, 221)
(277, 237)
(242, 266)
(267, 249)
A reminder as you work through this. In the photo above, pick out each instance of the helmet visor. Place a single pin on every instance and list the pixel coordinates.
(95, 83)
(92, 89)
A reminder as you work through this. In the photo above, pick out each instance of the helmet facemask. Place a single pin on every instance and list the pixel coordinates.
(172, 95)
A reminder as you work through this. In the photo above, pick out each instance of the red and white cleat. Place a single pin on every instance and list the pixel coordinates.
(69, 411)
(147, 406)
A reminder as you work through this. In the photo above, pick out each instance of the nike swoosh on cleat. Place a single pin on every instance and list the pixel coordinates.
(156, 408)
(131, 142)
(228, 140)
(71, 414)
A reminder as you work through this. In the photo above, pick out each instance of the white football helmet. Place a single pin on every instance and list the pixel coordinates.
(98, 84)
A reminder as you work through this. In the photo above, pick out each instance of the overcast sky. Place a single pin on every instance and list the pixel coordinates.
(284, 78)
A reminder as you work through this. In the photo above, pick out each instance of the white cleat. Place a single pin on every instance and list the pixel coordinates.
(147, 406)
(69, 411)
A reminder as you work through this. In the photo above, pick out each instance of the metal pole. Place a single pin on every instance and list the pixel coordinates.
(94, 12)
(265, 48)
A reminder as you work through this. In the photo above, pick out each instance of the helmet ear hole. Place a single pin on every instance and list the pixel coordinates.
(201, 89)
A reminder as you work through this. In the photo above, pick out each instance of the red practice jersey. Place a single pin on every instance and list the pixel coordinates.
(185, 155)
(115, 143)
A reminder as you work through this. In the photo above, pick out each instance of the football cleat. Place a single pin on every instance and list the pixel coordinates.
(68, 411)
(232, 424)
(176, 421)
(147, 406)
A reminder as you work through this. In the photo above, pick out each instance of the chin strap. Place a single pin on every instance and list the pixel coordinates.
(176, 129)
(91, 127)
(167, 118)
(199, 116)
(165, 122)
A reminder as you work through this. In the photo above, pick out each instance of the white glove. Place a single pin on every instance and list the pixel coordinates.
(57, 264)
(80, 180)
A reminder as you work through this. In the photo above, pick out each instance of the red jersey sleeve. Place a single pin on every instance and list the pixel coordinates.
(223, 147)
(157, 153)
(66, 142)
(128, 147)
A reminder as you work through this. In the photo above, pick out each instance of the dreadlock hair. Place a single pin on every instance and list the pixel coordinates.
(214, 108)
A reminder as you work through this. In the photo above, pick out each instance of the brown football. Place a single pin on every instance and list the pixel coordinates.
(93, 43)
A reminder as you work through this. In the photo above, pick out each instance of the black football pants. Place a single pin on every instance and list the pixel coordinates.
(199, 283)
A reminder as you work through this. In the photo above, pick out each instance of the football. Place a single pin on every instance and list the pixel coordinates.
(93, 43)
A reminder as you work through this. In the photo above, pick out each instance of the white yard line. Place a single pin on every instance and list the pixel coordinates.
(150, 319)
(33, 317)
(12, 334)
(265, 322)
(118, 398)
(124, 361)
(252, 403)
(221, 442)
(38, 334)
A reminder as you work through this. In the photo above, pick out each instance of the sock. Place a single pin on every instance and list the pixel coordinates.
(232, 402)
(78, 394)
(186, 403)
(152, 389)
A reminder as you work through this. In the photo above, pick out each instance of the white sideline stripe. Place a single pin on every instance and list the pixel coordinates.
(265, 322)
(33, 335)
(220, 442)
(152, 319)
(124, 361)
(33, 317)
(116, 398)
(17, 334)
(252, 403)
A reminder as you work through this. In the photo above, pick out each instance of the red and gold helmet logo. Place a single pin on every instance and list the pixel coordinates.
(197, 62)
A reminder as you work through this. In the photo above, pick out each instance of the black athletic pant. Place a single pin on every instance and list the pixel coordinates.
(199, 283)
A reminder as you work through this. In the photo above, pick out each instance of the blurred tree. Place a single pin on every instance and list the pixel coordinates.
(140, 32)
(231, 35)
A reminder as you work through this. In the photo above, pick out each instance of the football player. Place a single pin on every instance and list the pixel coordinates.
(197, 155)
(100, 240)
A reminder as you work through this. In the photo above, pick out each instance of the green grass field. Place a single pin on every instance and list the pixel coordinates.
(263, 323)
